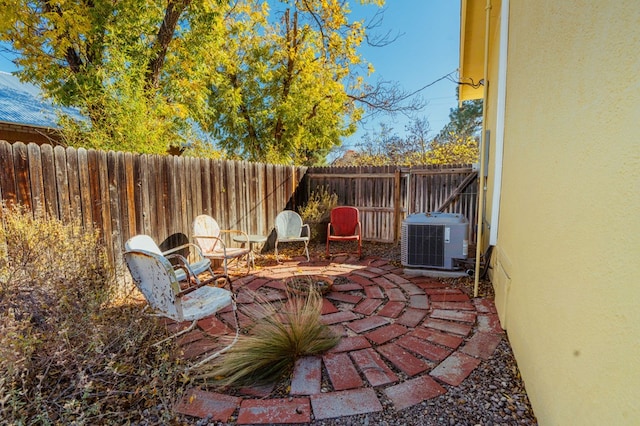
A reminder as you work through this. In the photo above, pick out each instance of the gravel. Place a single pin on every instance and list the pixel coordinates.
(492, 395)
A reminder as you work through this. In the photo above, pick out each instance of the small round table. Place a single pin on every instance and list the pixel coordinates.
(253, 239)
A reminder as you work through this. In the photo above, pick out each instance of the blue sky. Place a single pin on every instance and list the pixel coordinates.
(426, 49)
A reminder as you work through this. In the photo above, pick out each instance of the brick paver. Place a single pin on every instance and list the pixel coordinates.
(462, 316)
(342, 316)
(373, 367)
(449, 297)
(424, 348)
(419, 301)
(413, 391)
(373, 292)
(368, 323)
(395, 295)
(351, 343)
(481, 345)
(367, 306)
(455, 368)
(281, 410)
(199, 403)
(307, 376)
(345, 403)
(411, 317)
(402, 359)
(342, 372)
(448, 326)
(386, 333)
(344, 297)
(391, 309)
(438, 337)
(489, 323)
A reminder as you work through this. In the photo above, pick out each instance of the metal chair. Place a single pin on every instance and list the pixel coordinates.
(188, 271)
(345, 225)
(290, 229)
(156, 279)
(208, 236)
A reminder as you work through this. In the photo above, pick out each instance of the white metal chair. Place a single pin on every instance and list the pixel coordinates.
(290, 229)
(156, 279)
(208, 236)
(189, 271)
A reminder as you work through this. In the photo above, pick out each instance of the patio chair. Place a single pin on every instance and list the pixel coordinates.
(344, 225)
(208, 236)
(187, 271)
(290, 229)
(156, 279)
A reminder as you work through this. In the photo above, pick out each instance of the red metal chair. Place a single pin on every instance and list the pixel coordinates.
(345, 225)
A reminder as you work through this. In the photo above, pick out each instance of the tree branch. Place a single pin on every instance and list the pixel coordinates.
(163, 39)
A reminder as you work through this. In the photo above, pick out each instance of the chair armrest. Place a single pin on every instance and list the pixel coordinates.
(184, 265)
(211, 237)
(236, 231)
(305, 226)
(196, 248)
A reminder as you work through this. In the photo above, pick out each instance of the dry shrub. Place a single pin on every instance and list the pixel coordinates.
(281, 335)
(68, 353)
(318, 207)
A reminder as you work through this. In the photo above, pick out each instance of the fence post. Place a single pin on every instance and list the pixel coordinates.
(396, 205)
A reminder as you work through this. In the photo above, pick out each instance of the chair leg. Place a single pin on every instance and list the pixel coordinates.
(180, 333)
(276, 252)
(226, 348)
(306, 249)
(327, 247)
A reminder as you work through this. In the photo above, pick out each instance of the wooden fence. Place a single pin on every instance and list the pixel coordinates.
(386, 195)
(123, 194)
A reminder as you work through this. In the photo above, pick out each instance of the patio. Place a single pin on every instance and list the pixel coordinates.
(406, 340)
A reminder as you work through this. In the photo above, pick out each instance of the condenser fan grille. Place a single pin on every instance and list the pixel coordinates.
(425, 245)
(434, 240)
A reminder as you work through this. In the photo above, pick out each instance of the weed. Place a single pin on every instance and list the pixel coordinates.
(71, 352)
(318, 207)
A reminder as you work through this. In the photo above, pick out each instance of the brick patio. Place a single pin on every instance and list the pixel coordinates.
(404, 339)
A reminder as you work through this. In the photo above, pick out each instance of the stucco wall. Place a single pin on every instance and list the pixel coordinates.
(567, 262)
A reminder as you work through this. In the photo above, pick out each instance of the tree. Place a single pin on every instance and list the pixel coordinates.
(280, 87)
(464, 122)
(387, 148)
(287, 95)
(108, 58)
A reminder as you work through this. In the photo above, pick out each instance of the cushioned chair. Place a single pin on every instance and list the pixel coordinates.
(344, 225)
(188, 270)
(156, 279)
(290, 229)
(208, 236)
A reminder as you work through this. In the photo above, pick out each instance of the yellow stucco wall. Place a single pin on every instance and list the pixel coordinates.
(567, 262)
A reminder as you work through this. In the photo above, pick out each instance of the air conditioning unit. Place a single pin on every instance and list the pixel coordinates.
(433, 240)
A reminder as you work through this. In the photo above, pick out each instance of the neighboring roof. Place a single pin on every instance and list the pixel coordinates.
(23, 103)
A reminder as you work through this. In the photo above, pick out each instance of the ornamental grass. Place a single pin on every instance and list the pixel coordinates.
(282, 334)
